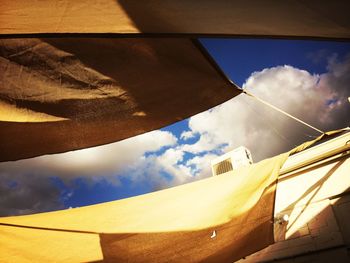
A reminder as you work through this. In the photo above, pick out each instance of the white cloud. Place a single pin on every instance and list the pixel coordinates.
(26, 186)
(187, 135)
(106, 159)
(201, 165)
(245, 121)
(170, 163)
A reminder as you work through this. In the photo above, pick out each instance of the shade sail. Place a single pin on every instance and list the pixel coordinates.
(104, 90)
(291, 18)
(62, 94)
(219, 219)
(173, 225)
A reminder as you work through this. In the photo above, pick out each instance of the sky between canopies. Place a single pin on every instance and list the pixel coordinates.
(309, 79)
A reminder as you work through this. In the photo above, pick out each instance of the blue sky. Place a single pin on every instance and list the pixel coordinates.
(306, 78)
(240, 57)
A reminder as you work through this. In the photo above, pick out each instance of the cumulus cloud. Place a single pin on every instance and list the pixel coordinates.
(27, 193)
(187, 135)
(106, 159)
(320, 100)
(171, 168)
(162, 170)
(26, 186)
(201, 165)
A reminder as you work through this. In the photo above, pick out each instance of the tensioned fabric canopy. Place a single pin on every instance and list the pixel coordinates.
(218, 219)
(272, 18)
(65, 86)
(173, 225)
(61, 94)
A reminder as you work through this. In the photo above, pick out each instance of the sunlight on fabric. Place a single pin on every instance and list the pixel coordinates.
(235, 204)
(10, 112)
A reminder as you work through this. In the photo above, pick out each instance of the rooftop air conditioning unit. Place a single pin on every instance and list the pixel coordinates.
(231, 161)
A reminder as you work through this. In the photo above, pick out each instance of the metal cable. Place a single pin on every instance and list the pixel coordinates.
(281, 111)
(269, 121)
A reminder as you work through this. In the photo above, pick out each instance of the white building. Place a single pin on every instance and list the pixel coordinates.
(313, 191)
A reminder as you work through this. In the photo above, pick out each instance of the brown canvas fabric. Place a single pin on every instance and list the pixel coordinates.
(63, 94)
(271, 18)
(76, 85)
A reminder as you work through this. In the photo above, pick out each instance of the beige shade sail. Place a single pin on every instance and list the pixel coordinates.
(63, 94)
(219, 219)
(272, 18)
